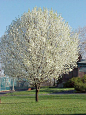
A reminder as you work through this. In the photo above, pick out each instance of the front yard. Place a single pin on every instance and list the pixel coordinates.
(23, 103)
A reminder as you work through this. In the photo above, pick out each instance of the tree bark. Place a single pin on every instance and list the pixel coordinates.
(13, 85)
(54, 82)
(18, 81)
(37, 90)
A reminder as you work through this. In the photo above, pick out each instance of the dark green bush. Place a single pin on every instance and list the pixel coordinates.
(78, 83)
(80, 87)
(70, 83)
(84, 79)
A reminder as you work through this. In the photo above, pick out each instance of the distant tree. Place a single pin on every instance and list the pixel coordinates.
(10, 65)
(40, 46)
(82, 38)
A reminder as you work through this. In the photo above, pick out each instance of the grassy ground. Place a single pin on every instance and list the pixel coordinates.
(48, 104)
(41, 91)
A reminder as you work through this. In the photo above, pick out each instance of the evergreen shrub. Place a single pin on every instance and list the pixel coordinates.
(78, 83)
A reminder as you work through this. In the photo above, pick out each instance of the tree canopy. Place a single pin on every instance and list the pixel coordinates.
(40, 45)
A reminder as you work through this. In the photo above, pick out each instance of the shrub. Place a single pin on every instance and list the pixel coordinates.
(80, 87)
(84, 79)
(78, 83)
(70, 83)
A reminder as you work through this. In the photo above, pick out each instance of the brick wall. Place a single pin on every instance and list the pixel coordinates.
(71, 74)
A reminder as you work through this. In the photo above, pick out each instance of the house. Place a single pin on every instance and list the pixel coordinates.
(81, 68)
(73, 73)
(79, 71)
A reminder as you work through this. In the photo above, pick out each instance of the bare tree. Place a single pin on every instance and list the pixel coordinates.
(82, 38)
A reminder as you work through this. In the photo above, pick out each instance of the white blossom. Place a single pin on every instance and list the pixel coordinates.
(40, 46)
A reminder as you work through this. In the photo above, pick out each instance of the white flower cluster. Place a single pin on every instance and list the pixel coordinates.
(39, 45)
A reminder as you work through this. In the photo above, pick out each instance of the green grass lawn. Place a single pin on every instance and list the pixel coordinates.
(48, 104)
(41, 91)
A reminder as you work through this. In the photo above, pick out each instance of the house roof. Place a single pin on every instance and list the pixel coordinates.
(82, 63)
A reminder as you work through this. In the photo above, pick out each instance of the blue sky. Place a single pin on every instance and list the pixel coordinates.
(73, 11)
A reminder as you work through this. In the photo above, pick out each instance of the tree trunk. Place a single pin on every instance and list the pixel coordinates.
(18, 80)
(37, 90)
(54, 82)
(13, 85)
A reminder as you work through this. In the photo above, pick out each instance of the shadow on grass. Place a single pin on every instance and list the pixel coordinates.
(58, 92)
(64, 96)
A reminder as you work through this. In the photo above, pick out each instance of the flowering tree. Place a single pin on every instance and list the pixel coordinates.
(40, 46)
